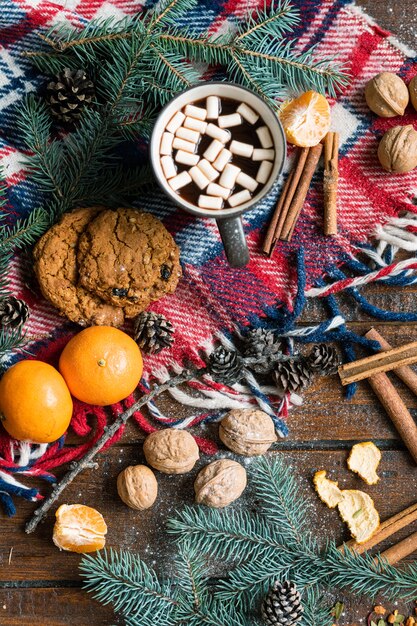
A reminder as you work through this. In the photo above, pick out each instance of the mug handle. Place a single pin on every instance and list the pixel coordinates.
(234, 241)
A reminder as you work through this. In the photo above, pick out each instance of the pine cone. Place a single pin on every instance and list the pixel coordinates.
(153, 332)
(324, 359)
(13, 312)
(282, 605)
(260, 342)
(293, 376)
(69, 94)
(225, 366)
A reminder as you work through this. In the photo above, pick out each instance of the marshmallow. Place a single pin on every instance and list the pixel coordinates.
(217, 190)
(218, 133)
(229, 175)
(264, 137)
(247, 113)
(213, 107)
(226, 121)
(222, 160)
(166, 143)
(193, 124)
(198, 177)
(246, 181)
(188, 134)
(213, 150)
(180, 180)
(196, 112)
(210, 202)
(241, 149)
(264, 172)
(175, 122)
(208, 170)
(186, 158)
(239, 198)
(182, 144)
(260, 154)
(168, 166)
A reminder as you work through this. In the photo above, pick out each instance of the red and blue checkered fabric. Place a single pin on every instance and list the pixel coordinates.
(211, 296)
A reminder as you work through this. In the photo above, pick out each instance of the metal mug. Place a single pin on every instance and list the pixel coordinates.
(228, 220)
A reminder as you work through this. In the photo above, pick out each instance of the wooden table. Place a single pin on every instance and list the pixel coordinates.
(39, 586)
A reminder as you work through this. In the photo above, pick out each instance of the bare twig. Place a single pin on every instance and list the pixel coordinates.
(76, 467)
(109, 432)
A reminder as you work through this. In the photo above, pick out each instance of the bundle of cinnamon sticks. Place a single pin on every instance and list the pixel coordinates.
(292, 198)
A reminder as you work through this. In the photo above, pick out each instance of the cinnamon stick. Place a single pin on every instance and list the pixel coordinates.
(386, 530)
(330, 181)
(284, 202)
(301, 192)
(405, 373)
(397, 411)
(401, 549)
(378, 363)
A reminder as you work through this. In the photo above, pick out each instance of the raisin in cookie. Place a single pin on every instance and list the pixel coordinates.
(55, 257)
(128, 258)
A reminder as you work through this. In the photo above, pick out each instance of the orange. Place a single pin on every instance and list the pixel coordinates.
(79, 528)
(306, 120)
(35, 403)
(101, 365)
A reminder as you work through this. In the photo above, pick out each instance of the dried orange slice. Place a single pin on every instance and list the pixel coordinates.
(79, 528)
(306, 120)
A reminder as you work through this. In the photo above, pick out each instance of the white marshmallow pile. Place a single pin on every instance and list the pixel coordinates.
(213, 172)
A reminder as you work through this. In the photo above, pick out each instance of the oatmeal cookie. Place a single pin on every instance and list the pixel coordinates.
(57, 273)
(128, 258)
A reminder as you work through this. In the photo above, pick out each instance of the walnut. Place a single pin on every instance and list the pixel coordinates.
(386, 95)
(171, 451)
(397, 150)
(137, 487)
(412, 88)
(220, 483)
(247, 431)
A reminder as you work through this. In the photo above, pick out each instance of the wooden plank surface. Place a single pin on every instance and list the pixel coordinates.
(39, 586)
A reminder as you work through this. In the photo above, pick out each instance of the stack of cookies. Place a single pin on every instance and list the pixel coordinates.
(100, 266)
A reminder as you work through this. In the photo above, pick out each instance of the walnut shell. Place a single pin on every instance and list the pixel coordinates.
(220, 483)
(171, 451)
(412, 88)
(247, 431)
(397, 150)
(386, 94)
(137, 487)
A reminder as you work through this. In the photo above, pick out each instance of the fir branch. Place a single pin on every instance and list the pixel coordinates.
(316, 611)
(167, 12)
(24, 232)
(279, 495)
(269, 21)
(124, 580)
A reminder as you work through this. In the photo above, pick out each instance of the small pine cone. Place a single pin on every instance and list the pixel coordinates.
(261, 343)
(69, 94)
(13, 312)
(225, 366)
(324, 359)
(282, 605)
(153, 332)
(293, 376)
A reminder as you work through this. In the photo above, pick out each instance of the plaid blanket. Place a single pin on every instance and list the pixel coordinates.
(216, 297)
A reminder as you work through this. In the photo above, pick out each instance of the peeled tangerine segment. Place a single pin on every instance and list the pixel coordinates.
(79, 528)
(358, 511)
(306, 120)
(364, 460)
(327, 489)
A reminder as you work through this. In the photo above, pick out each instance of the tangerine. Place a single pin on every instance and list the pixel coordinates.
(101, 365)
(79, 528)
(35, 403)
(306, 120)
